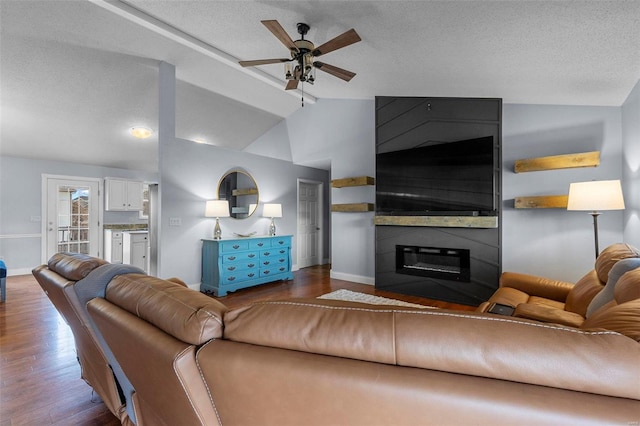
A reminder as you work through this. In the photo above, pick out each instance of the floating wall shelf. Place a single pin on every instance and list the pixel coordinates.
(352, 181)
(542, 202)
(352, 208)
(567, 161)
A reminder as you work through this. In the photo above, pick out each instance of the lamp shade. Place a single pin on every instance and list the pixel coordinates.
(217, 208)
(272, 210)
(596, 195)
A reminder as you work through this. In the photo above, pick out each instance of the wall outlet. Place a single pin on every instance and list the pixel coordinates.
(175, 221)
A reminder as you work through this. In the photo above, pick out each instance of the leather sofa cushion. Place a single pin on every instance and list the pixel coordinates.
(465, 343)
(540, 286)
(74, 266)
(542, 312)
(583, 293)
(621, 318)
(607, 293)
(610, 255)
(186, 314)
(628, 287)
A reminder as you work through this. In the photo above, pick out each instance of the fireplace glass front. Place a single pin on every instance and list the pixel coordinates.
(435, 262)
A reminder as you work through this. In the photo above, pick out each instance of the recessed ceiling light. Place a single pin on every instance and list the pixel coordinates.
(141, 132)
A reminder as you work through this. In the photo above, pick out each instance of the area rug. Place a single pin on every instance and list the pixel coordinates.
(352, 296)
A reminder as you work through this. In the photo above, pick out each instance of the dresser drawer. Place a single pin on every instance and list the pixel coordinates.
(240, 266)
(280, 242)
(273, 252)
(231, 246)
(259, 243)
(239, 276)
(240, 256)
(273, 270)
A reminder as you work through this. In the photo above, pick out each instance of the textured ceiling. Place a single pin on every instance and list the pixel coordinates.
(75, 75)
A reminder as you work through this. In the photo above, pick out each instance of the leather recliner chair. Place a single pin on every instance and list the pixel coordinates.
(554, 301)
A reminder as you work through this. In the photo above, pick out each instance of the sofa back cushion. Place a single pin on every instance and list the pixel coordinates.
(74, 266)
(476, 344)
(187, 315)
(607, 293)
(593, 282)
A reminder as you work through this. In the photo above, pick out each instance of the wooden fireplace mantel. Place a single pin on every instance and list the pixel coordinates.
(439, 221)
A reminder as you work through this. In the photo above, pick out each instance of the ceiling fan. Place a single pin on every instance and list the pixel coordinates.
(303, 54)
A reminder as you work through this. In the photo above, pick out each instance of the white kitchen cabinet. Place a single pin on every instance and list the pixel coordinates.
(135, 248)
(113, 246)
(123, 195)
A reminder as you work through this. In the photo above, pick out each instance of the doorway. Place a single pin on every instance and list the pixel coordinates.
(72, 211)
(310, 219)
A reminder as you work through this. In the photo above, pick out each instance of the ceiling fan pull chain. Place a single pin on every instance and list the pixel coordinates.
(302, 89)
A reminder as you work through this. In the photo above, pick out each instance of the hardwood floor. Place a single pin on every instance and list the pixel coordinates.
(40, 380)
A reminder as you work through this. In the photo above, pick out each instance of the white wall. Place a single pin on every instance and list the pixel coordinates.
(21, 205)
(631, 166)
(555, 242)
(342, 131)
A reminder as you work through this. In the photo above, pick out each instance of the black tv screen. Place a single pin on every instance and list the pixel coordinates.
(453, 178)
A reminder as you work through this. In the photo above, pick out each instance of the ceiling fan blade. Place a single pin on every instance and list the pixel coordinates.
(335, 71)
(344, 39)
(291, 85)
(277, 30)
(262, 62)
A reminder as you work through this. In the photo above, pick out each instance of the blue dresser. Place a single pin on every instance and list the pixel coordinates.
(232, 264)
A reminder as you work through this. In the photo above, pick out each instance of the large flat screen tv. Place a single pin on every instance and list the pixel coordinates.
(451, 178)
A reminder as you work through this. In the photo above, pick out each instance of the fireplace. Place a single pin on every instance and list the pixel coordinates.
(435, 262)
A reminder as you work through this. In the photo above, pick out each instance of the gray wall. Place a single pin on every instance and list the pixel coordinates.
(556, 242)
(21, 205)
(342, 131)
(631, 166)
(190, 176)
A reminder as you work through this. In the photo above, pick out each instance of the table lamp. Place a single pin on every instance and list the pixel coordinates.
(217, 209)
(272, 211)
(595, 196)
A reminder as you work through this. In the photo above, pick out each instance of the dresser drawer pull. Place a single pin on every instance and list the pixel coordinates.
(281, 242)
(251, 275)
(283, 251)
(251, 265)
(282, 260)
(231, 279)
(231, 268)
(251, 256)
(283, 269)
(266, 272)
(231, 258)
(236, 246)
(266, 262)
(266, 253)
(260, 244)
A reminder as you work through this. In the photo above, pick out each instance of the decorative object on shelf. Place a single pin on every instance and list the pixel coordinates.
(250, 234)
(566, 161)
(541, 202)
(217, 209)
(241, 191)
(485, 222)
(272, 211)
(595, 196)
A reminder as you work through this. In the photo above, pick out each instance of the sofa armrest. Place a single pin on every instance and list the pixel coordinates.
(537, 286)
(548, 314)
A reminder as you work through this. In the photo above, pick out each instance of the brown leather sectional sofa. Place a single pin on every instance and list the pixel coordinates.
(322, 362)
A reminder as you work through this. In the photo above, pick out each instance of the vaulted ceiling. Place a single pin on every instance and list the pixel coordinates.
(76, 75)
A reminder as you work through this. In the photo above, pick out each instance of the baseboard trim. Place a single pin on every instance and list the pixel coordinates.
(350, 277)
(21, 271)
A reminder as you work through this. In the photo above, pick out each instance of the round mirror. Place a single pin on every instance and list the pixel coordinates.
(240, 189)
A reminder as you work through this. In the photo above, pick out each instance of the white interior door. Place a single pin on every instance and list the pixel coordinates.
(309, 221)
(72, 209)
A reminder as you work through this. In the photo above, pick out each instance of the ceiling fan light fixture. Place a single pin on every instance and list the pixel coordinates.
(140, 132)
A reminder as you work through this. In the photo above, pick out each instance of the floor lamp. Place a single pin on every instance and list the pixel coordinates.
(595, 196)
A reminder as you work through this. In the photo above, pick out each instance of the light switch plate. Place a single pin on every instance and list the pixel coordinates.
(175, 221)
